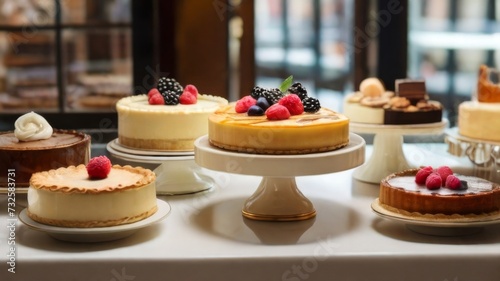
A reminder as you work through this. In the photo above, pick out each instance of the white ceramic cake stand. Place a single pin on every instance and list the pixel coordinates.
(177, 173)
(483, 154)
(277, 197)
(387, 156)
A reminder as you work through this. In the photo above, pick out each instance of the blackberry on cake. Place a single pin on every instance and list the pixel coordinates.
(169, 84)
(311, 104)
(298, 90)
(170, 97)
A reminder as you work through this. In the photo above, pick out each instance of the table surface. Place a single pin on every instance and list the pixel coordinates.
(205, 237)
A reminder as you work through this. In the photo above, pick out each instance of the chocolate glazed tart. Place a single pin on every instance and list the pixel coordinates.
(62, 149)
(399, 191)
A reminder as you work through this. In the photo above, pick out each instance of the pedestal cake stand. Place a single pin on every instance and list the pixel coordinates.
(277, 197)
(176, 174)
(484, 155)
(387, 156)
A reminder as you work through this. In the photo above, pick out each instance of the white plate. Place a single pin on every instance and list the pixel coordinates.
(97, 234)
(115, 144)
(149, 159)
(342, 159)
(442, 226)
(410, 129)
(453, 132)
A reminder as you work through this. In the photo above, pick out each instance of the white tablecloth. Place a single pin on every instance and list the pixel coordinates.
(205, 237)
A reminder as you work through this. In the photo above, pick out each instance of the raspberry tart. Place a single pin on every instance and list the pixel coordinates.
(34, 146)
(438, 192)
(277, 121)
(95, 195)
(169, 118)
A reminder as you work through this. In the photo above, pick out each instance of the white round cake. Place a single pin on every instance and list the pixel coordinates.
(479, 120)
(164, 127)
(67, 197)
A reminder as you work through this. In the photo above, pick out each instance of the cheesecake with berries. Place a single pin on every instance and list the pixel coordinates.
(438, 192)
(94, 195)
(271, 121)
(169, 118)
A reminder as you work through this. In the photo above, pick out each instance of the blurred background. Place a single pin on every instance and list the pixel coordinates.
(71, 60)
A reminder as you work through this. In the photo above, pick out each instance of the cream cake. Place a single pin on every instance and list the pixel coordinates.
(480, 118)
(267, 123)
(409, 104)
(401, 192)
(34, 147)
(144, 123)
(69, 197)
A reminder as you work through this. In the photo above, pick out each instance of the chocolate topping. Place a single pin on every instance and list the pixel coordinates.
(414, 90)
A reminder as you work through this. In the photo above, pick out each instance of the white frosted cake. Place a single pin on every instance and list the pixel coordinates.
(68, 197)
(164, 127)
(480, 119)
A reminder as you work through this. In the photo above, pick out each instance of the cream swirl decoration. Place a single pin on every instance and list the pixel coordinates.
(32, 127)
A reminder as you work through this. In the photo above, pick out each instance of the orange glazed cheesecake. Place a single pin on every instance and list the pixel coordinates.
(269, 122)
(164, 120)
(34, 147)
(69, 197)
(407, 192)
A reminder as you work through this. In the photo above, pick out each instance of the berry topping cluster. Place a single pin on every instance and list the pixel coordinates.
(170, 92)
(437, 178)
(99, 167)
(278, 104)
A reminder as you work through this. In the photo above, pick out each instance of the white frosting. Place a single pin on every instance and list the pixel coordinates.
(32, 127)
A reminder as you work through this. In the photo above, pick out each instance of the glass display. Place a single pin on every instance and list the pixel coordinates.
(64, 56)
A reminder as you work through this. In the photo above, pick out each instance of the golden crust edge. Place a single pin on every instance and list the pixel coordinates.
(274, 151)
(36, 180)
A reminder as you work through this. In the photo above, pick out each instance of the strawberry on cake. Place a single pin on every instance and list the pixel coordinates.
(278, 121)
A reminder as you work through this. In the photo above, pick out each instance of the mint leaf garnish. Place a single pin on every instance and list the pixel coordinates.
(286, 84)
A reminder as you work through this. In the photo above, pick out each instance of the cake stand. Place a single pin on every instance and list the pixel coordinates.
(387, 156)
(484, 155)
(277, 197)
(176, 172)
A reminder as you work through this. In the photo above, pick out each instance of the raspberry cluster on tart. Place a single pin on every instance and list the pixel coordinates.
(438, 192)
